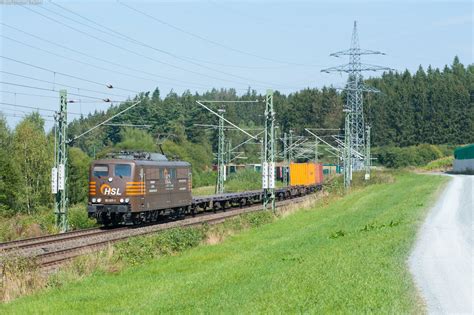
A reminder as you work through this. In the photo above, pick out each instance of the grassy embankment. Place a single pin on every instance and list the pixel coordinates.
(443, 164)
(346, 256)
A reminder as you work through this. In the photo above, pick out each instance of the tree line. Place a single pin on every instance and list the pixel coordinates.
(432, 106)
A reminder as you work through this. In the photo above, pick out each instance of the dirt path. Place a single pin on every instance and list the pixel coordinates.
(442, 260)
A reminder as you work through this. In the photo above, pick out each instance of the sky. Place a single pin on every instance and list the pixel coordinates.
(86, 46)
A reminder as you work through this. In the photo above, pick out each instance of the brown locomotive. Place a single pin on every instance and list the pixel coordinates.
(138, 188)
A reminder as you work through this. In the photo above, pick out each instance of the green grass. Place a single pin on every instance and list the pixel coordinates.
(242, 180)
(442, 164)
(349, 256)
(204, 191)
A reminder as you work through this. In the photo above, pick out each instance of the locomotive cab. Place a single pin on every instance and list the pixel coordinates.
(111, 190)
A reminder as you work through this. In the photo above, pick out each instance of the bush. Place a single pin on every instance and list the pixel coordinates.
(20, 276)
(257, 219)
(443, 164)
(199, 155)
(201, 179)
(243, 180)
(18, 226)
(396, 157)
(78, 218)
(138, 249)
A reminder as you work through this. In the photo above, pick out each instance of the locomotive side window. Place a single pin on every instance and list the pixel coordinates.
(183, 173)
(101, 170)
(151, 173)
(172, 173)
(123, 170)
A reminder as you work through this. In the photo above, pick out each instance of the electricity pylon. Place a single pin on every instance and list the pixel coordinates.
(220, 154)
(355, 87)
(59, 172)
(268, 166)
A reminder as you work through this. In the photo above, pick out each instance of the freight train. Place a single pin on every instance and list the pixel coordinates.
(139, 188)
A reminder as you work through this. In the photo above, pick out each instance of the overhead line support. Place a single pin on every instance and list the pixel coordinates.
(268, 166)
(59, 172)
(285, 159)
(220, 154)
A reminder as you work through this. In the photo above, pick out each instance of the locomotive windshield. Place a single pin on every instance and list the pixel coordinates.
(123, 170)
(101, 170)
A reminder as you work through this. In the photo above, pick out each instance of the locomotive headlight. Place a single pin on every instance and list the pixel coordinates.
(121, 200)
(94, 200)
(127, 200)
(99, 200)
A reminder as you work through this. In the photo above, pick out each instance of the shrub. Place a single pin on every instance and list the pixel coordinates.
(396, 157)
(138, 249)
(17, 226)
(444, 164)
(243, 180)
(19, 276)
(78, 218)
(207, 178)
(257, 219)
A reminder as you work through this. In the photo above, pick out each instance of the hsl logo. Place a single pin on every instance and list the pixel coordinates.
(105, 189)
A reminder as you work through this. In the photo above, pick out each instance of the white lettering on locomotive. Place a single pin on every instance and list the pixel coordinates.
(105, 189)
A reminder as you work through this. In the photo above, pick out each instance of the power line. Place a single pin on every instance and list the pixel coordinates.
(128, 125)
(79, 61)
(207, 40)
(114, 33)
(28, 86)
(37, 108)
(105, 121)
(126, 49)
(65, 85)
(55, 97)
(136, 42)
(28, 94)
(22, 116)
(102, 27)
(65, 74)
(22, 111)
(51, 90)
(167, 24)
(97, 58)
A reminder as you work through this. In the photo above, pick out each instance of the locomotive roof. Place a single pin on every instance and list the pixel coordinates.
(142, 162)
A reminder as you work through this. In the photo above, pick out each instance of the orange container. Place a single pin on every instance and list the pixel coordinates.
(305, 174)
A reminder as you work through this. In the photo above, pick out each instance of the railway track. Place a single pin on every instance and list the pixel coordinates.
(49, 239)
(52, 250)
